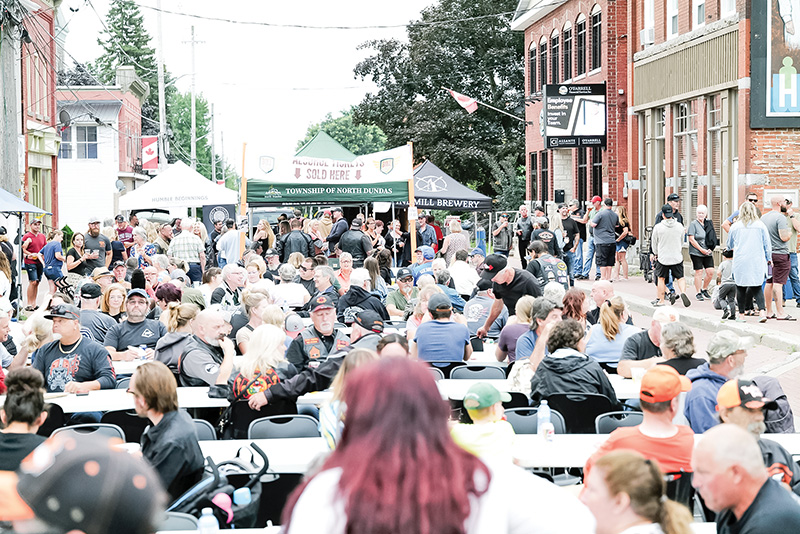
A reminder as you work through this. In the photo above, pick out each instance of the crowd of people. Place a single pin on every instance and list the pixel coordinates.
(318, 303)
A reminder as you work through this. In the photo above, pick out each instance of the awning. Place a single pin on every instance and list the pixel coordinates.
(177, 187)
(10, 203)
(436, 190)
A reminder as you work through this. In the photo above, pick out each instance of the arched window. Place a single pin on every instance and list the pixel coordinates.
(543, 61)
(566, 47)
(532, 68)
(580, 45)
(597, 36)
(555, 57)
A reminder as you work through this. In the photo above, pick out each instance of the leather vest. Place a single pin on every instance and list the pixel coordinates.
(555, 270)
(315, 349)
(352, 242)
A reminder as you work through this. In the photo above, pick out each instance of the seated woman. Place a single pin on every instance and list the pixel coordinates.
(608, 336)
(22, 414)
(575, 306)
(677, 347)
(254, 305)
(507, 343)
(289, 293)
(566, 369)
(166, 294)
(113, 302)
(179, 329)
(627, 493)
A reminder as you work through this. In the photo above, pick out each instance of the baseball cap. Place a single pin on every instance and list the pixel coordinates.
(427, 252)
(90, 290)
(356, 223)
(44, 488)
(483, 395)
(370, 320)
(119, 218)
(666, 211)
(3, 230)
(93, 219)
(504, 214)
(477, 251)
(322, 302)
(64, 311)
(179, 274)
(673, 197)
(483, 284)
(36, 221)
(271, 252)
(138, 293)
(439, 302)
(744, 393)
(334, 210)
(99, 272)
(596, 198)
(493, 264)
(404, 272)
(663, 383)
(327, 212)
(293, 325)
(724, 343)
(118, 263)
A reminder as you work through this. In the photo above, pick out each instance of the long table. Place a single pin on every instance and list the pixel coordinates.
(290, 455)
(107, 400)
(624, 388)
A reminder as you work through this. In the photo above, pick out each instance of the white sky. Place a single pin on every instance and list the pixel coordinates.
(254, 75)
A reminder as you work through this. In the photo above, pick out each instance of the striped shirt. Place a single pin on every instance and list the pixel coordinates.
(187, 247)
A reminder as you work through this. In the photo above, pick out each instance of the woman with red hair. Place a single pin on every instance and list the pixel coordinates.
(397, 470)
(575, 306)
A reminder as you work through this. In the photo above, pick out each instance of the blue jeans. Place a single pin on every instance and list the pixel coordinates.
(221, 262)
(569, 259)
(587, 266)
(501, 252)
(578, 259)
(791, 290)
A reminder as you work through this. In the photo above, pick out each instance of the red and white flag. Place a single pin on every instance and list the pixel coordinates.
(470, 104)
(150, 152)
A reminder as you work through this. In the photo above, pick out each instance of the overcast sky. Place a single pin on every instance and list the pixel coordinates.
(267, 84)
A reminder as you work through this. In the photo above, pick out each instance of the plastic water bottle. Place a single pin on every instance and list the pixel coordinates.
(207, 524)
(242, 496)
(543, 425)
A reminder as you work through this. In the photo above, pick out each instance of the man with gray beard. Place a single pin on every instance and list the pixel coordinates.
(207, 350)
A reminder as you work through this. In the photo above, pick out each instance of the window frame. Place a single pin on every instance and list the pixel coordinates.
(672, 15)
(566, 51)
(532, 68)
(544, 176)
(555, 57)
(698, 21)
(66, 150)
(596, 52)
(87, 128)
(580, 46)
(543, 66)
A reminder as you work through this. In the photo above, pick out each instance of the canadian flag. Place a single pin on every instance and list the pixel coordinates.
(150, 152)
(470, 104)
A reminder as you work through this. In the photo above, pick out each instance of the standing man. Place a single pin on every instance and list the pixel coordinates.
(753, 199)
(32, 243)
(605, 239)
(211, 246)
(577, 214)
(779, 235)
(188, 247)
(508, 286)
(427, 233)
(355, 242)
(339, 227)
(228, 245)
(502, 235)
(163, 239)
(97, 246)
(666, 244)
(792, 288)
(571, 241)
(587, 265)
(673, 200)
(524, 227)
(123, 231)
(295, 241)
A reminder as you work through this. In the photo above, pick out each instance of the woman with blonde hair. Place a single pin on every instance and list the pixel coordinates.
(345, 269)
(607, 337)
(264, 234)
(5, 276)
(179, 330)
(454, 241)
(254, 304)
(331, 414)
(296, 259)
(273, 315)
(622, 230)
(256, 267)
(555, 225)
(113, 302)
(752, 252)
(38, 331)
(626, 493)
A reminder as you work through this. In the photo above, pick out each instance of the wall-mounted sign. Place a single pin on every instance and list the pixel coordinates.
(575, 115)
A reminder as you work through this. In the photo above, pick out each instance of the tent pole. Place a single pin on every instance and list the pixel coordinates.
(20, 301)
(475, 214)
(394, 252)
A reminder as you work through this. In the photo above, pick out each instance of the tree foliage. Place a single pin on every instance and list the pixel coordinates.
(126, 42)
(80, 74)
(480, 58)
(359, 139)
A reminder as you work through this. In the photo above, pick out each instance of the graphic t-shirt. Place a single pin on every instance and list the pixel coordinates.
(101, 245)
(127, 334)
(83, 361)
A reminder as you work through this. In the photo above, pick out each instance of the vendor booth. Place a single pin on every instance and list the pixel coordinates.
(178, 187)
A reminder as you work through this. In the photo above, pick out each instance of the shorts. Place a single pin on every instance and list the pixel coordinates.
(605, 254)
(663, 271)
(702, 262)
(781, 265)
(34, 271)
(53, 273)
(622, 245)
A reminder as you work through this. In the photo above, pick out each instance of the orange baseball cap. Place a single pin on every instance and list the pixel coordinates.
(663, 383)
(738, 392)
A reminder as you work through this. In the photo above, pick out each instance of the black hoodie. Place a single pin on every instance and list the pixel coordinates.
(569, 371)
(357, 299)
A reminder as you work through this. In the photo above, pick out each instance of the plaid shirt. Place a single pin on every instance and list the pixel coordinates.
(187, 247)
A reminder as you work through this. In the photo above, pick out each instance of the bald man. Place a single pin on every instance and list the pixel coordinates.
(602, 290)
(207, 349)
(730, 475)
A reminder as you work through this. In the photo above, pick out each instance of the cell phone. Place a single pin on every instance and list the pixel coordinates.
(82, 394)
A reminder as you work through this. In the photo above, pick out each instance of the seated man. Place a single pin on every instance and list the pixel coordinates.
(397, 301)
(125, 340)
(73, 364)
(229, 293)
(444, 281)
(358, 298)
(740, 402)
(602, 290)
(323, 284)
(207, 348)
(477, 309)
(642, 349)
(543, 312)
(95, 322)
(318, 340)
(170, 444)
(489, 436)
(441, 339)
(464, 276)
(657, 437)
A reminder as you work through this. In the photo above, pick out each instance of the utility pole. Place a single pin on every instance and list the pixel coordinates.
(222, 156)
(9, 105)
(162, 104)
(194, 108)
(213, 155)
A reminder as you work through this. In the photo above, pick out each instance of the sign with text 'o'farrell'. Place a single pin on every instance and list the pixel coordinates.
(575, 115)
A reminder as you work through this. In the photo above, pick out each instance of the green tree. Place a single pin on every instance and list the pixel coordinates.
(126, 42)
(479, 57)
(359, 139)
(79, 74)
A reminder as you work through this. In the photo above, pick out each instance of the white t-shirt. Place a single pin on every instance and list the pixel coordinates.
(289, 294)
(546, 508)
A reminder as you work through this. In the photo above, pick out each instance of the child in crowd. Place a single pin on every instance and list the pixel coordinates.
(727, 286)
(489, 436)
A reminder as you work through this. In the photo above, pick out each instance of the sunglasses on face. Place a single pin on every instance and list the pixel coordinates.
(754, 200)
(407, 279)
(305, 269)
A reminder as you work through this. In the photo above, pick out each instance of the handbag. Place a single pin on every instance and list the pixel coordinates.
(225, 420)
(630, 239)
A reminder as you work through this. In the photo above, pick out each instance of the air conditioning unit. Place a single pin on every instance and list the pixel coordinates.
(647, 36)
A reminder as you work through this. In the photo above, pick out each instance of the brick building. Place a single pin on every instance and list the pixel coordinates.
(714, 107)
(575, 42)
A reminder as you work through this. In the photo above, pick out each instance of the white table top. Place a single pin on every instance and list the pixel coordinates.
(107, 400)
(292, 455)
(126, 368)
(625, 388)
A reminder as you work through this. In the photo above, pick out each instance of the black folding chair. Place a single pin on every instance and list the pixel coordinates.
(478, 372)
(446, 366)
(679, 487)
(129, 422)
(284, 426)
(580, 409)
(477, 344)
(55, 420)
(526, 420)
(608, 422)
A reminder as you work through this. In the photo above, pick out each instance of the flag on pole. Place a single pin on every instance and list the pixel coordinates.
(150, 152)
(470, 104)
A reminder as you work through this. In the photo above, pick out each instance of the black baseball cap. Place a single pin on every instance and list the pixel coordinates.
(91, 290)
(493, 264)
(404, 272)
(666, 211)
(370, 320)
(138, 293)
(673, 197)
(271, 252)
(439, 302)
(118, 263)
(119, 218)
(64, 311)
(322, 302)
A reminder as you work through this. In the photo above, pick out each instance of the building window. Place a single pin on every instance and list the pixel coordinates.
(597, 38)
(698, 13)
(544, 183)
(65, 152)
(567, 46)
(727, 7)
(649, 14)
(86, 142)
(580, 33)
(534, 175)
(685, 150)
(583, 167)
(672, 18)
(543, 63)
(715, 130)
(597, 171)
(532, 69)
(554, 57)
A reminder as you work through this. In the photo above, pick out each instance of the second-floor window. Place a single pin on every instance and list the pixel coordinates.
(79, 142)
(554, 57)
(580, 60)
(543, 63)
(672, 18)
(567, 47)
(532, 69)
(597, 39)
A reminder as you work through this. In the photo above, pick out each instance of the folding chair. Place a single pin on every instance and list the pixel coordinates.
(437, 373)
(608, 422)
(526, 420)
(97, 429)
(243, 415)
(580, 409)
(178, 521)
(123, 383)
(477, 344)
(478, 372)
(55, 420)
(131, 424)
(284, 426)
(446, 366)
(204, 430)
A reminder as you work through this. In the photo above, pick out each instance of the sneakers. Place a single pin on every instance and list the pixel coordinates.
(672, 299)
(685, 299)
(725, 314)
(706, 294)
(700, 296)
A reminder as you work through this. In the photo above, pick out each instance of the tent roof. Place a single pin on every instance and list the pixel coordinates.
(324, 146)
(177, 187)
(10, 203)
(435, 189)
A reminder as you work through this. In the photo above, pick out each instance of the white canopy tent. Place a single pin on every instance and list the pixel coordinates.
(177, 187)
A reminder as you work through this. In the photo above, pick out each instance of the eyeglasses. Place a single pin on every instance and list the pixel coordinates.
(406, 279)
(306, 269)
(753, 200)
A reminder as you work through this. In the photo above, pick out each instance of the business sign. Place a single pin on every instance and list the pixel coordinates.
(212, 213)
(575, 115)
(381, 176)
(150, 152)
(775, 60)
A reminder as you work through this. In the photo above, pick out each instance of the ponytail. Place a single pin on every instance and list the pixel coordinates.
(610, 317)
(674, 518)
(180, 314)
